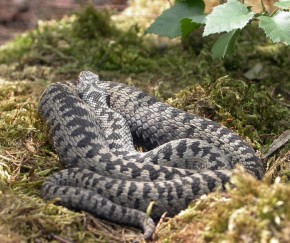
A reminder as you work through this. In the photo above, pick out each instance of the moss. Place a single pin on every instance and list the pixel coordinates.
(244, 107)
(89, 40)
(29, 219)
(186, 78)
(26, 159)
(91, 24)
(14, 51)
(251, 211)
(253, 111)
(85, 40)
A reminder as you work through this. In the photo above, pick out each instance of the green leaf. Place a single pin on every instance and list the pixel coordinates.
(169, 22)
(225, 44)
(284, 4)
(227, 17)
(277, 28)
(200, 19)
(187, 26)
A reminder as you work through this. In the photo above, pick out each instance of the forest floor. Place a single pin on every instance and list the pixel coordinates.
(248, 92)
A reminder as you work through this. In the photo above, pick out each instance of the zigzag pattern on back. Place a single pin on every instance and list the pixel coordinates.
(95, 126)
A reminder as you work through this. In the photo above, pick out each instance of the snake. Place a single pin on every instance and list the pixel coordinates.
(123, 150)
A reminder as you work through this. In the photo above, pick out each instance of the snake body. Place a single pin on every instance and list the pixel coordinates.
(95, 127)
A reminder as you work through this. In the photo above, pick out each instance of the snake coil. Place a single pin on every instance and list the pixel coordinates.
(95, 127)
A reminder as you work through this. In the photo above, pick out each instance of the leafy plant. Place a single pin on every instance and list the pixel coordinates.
(187, 15)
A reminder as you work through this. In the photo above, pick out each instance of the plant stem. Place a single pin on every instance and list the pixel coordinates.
(274, 12)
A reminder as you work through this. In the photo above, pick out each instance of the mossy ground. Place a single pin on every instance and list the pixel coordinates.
(183, 75)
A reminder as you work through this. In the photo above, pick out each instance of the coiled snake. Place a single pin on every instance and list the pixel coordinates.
(95, 127)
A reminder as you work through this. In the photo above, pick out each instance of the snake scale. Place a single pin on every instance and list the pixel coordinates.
(95, 127)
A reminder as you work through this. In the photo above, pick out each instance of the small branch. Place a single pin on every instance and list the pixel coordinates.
(274, 12)
(278, 143)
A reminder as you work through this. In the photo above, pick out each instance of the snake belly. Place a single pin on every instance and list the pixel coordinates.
(104, 173)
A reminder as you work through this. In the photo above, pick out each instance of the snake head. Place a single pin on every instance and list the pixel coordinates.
(88, 76)
(89, 91)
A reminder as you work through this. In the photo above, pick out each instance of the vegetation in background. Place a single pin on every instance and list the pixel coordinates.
(231, 17)
(248, 93)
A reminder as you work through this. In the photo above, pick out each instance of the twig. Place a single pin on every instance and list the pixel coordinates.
(278, 143)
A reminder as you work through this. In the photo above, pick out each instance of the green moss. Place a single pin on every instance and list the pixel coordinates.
(14, 51)
(244, 107)
(86, 40)
(253, 111)
(90, 24)
(257, 109)
(89, 40)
